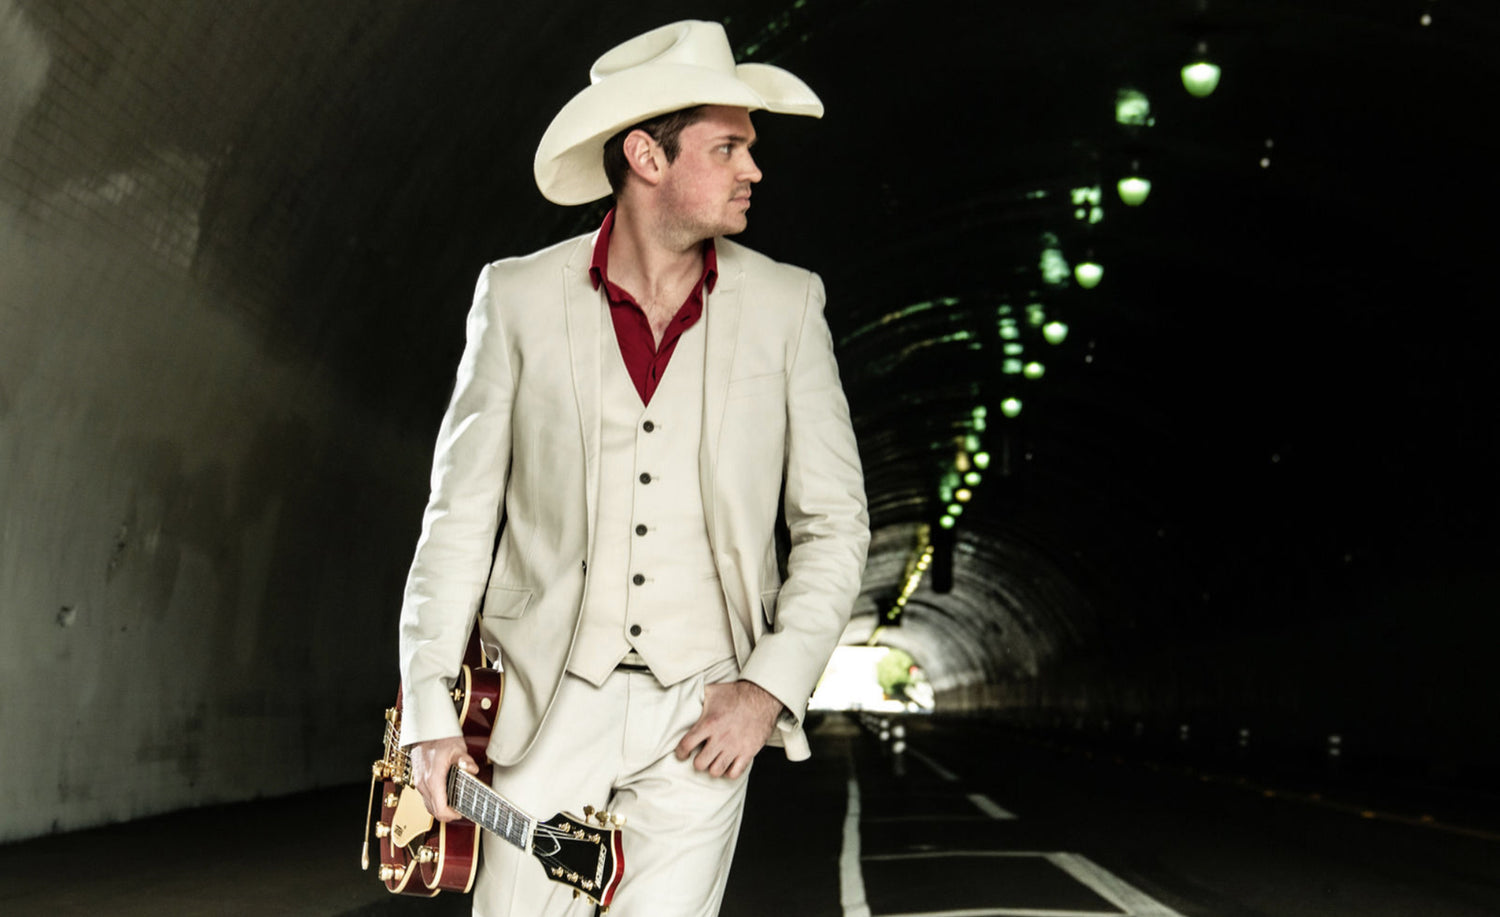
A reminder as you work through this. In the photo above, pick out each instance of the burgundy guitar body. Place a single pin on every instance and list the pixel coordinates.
(422, 856)
(446, 854)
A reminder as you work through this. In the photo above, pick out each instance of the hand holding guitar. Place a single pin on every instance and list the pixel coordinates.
(430, 763)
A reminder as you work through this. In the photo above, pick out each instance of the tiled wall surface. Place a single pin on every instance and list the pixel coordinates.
(203, 526)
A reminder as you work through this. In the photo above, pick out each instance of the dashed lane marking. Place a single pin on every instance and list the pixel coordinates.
(1131, 901)
(851, 875)
(987, 805)
(937, 768)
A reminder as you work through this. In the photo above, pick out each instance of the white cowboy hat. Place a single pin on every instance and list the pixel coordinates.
(676, 66)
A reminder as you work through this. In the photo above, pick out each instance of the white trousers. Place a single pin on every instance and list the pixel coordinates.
(612, 747)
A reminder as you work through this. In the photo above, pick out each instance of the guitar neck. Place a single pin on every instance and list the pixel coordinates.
(476, 801)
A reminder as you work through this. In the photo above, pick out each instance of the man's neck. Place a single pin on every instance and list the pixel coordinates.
(657, 269)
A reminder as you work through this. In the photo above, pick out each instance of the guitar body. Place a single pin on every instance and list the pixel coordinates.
(419, 855)
(422, 856)
(456, 860)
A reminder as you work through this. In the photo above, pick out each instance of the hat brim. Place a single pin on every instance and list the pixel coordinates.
(569, 165)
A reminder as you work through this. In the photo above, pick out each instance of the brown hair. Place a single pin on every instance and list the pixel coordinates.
(664, 129)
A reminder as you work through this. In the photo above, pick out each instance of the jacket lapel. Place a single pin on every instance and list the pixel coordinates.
(584, 312)
(721, 316)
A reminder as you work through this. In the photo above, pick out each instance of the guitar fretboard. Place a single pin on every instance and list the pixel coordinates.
(483, 806)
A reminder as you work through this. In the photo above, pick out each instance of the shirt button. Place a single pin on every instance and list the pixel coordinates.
(645, 478)
(635, 630)
(640, 530)
(648, 426)
(638, 579)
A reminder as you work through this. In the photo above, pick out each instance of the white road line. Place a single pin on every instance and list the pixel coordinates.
(1110, 887)
(987, 805)
(937, 768)
(940, 854)
(1131, 901)
(851, 878)
(1008, 912)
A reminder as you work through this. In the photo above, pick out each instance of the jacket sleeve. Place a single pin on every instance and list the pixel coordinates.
(469, 470)
(827, 516)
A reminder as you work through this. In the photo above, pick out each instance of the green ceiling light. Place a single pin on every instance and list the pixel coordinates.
(1201, 77)
(1134, 190)
(1055, 332)
(1132, 107)
(963, 495)
(971, 443)
(1011, 367)
(955, 509)
(946, 522)
(981, 460)
(973, 478)
(1011, 407)
(1036, 314)
(1014, 349)
(1088, 274)
(1035, 370)
(981, 411)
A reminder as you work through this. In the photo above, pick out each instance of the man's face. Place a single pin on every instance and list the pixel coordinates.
(706, 190)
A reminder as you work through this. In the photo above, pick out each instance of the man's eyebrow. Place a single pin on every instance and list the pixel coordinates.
(739, 138)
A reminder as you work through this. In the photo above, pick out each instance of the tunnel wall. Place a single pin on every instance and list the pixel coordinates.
(204, 531)
(1396, 676)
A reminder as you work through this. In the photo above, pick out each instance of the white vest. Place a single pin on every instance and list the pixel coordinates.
(652, 582)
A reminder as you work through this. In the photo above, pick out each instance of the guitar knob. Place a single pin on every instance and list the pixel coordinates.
(588, 811)
(390, 800)
(426, 855)
(382, 829)
(392, 873)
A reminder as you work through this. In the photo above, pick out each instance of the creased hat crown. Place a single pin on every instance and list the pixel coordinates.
(669, 68)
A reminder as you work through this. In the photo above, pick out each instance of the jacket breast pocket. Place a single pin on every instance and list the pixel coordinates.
(768, 385)
(505, 602)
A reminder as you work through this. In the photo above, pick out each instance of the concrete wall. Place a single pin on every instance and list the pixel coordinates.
(203, 530)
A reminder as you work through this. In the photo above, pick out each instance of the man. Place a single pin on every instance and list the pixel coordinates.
(628, 410)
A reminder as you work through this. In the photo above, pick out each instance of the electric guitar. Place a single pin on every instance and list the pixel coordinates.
(422, 856)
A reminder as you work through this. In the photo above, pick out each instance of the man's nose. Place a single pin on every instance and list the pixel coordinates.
(751, 172)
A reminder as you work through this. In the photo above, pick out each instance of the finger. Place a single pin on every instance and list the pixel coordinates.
(692, 740)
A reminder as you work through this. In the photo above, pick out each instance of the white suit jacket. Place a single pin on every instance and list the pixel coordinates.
(518, 453)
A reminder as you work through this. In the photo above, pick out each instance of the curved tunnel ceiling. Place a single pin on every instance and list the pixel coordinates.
(1272, 386)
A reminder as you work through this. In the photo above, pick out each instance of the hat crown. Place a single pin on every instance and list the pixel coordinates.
(690, 43)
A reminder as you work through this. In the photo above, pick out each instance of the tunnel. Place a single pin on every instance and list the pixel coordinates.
(1170, 399)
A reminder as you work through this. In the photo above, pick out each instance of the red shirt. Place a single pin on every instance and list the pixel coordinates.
(643, 359)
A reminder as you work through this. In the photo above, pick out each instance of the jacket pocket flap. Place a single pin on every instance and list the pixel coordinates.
(768, 605)
(505, 602)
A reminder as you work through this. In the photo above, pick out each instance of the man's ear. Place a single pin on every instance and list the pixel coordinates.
(644, 156)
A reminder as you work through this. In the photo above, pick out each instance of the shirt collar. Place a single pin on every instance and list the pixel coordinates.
(599, 267)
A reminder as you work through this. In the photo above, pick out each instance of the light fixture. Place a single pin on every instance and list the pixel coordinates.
(973, 478)
(1088, 274)
(946, 522)
(1035, 370)
(1201, 76)
(1055, 332)
(962, 495)
(981, 460)
(1011, 407)
(1134, 190)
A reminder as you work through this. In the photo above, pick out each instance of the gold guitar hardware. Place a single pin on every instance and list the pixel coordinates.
(382, 829)
(457, 694)
(391, 799)
(392, 873)
(426, 854)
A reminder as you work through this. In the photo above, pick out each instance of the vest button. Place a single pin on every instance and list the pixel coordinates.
(638, 579)
(635, 630)
(640, 530)
(648, 426)
(645, 478)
